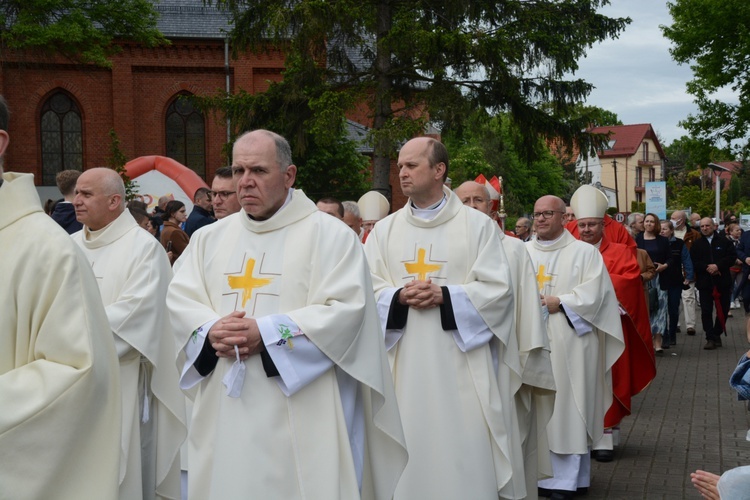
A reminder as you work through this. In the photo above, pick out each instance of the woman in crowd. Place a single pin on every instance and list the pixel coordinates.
(675, 276)
(173, 237)
(657, 247)
(733, 232)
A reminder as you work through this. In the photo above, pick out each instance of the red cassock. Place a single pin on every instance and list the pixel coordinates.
(613, 231)
(636, 368)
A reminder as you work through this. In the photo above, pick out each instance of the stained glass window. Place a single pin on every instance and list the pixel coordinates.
(186, 135)
(62, 136)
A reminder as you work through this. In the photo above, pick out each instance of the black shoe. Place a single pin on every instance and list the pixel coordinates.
(561, 495)
(710, 345)
(603, 455)
(659, 352)
(665, 346)
(691, 331)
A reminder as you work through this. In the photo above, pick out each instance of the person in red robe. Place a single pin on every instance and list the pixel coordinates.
(636, 368)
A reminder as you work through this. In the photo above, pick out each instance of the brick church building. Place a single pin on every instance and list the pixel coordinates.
(61, 113)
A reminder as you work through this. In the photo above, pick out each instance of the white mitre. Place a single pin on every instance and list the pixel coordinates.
(373, 206)
(589, 202)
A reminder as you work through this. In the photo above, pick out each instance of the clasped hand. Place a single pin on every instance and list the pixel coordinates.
(421, 294)
(235, 330)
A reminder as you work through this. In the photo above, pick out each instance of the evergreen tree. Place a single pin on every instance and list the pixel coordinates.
(409, 60)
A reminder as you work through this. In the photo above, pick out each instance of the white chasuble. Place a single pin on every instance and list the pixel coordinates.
(535, 398)
(456, 405)
(59, 401)
(581, 362)
(133, 274)
(279, 438)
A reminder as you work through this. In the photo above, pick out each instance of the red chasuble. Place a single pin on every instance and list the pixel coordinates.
(636, 368)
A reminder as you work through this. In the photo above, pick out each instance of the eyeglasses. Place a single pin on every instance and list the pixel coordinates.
(222, 195)
(547, 214)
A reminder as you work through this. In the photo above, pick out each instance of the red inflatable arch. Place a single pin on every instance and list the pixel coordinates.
(188, 180)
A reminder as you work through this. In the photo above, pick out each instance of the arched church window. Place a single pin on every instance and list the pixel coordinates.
(62, 136)
(186, 135)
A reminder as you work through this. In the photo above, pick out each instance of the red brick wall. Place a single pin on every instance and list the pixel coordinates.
(131, 98)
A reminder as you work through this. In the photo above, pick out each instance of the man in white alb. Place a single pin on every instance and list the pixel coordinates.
(273, 310)
(133, 274)
(444, 295)
(585, 336)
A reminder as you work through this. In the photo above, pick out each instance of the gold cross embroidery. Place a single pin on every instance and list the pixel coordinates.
(541, 279)
(247, 282)
(420, 268)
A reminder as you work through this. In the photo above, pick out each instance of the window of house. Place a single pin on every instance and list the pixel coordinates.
(638, 176)
(186, 135)
(639, 197)
(62, 136)
(645, 151)
(651, 174)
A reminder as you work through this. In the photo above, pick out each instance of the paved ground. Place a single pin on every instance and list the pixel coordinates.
(688, 418)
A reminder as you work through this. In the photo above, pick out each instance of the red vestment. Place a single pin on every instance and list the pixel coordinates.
(636, 368)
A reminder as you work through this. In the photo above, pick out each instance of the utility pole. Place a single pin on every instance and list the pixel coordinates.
(617, 190)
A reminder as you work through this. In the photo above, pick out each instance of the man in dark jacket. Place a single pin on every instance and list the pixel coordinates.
(64, 213)
(201, 214)
(712, 256)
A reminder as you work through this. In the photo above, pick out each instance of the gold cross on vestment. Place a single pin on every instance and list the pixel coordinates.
(247, 282)
(420, 268)
(541, 279)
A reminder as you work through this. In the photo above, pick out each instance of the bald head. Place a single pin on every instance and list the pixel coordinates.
(99, 197)
(475, 195)
(678, 219)
(549, 217)
(707, 226)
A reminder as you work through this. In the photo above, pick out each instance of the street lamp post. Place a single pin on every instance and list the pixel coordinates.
(717, 169)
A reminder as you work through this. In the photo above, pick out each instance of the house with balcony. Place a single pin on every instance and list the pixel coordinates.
(632, 157)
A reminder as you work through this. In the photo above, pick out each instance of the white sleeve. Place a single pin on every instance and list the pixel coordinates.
(472, 331)
(297, 359)
(393, 335)
(190, 376)
(121, 346)
(580, 325)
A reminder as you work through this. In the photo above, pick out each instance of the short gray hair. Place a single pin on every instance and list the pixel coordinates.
(352, 208)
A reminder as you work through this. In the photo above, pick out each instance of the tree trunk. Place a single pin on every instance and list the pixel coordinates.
(382, 103)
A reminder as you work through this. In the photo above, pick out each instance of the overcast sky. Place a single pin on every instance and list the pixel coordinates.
(635, 76)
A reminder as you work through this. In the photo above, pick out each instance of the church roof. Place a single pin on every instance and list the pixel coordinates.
(191, 19)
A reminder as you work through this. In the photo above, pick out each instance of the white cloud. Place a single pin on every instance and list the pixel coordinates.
(635, 76)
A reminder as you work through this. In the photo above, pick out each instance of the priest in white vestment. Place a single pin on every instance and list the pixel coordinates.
(585, 335)
(273, 310)
(133, 274)
(444, 296)
(534, 399)
(59, 405)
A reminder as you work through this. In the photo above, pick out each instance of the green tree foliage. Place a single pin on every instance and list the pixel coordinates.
(688, 159)
(699, 200)
(83, 30)
(488, 145)
(116, 161)
(314, 124)
(409, 57)
(711, 36)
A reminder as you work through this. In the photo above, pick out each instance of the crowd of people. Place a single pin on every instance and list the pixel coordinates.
(268, 346)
